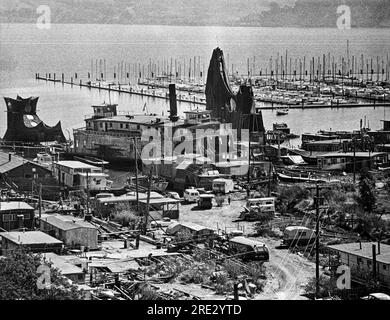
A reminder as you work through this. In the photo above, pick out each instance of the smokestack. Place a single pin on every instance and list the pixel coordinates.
(172, 103)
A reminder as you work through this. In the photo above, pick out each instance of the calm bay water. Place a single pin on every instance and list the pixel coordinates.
(25, 50)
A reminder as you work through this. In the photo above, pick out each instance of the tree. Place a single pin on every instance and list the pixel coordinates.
(327, 286)
(367, 197)
(18, 280)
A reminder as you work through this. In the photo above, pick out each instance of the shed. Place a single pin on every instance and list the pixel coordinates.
(74, 232)
(16, 215)
(35, 241)
(66, 268)
(196, 230)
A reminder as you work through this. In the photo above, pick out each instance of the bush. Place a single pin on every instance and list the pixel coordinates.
(290, 196)
(126, 218)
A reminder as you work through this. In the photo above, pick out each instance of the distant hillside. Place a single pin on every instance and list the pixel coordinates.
(323, 13)
(276, 13)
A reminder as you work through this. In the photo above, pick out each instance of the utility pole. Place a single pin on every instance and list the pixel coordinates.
(40, 201)
(354, 160)
(269, 179)
(87, 193)
(148, 201)
(317, 200)
(136, 171)
(249, 168)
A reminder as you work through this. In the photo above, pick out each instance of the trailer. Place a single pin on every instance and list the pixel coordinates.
(256, 207)
(222, 185)
(248, 249)
(298, 235)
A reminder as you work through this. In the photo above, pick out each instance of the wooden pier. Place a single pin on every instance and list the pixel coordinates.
(118, 88)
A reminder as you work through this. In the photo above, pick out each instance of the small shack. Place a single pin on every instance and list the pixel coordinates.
(197, 231)
(16, 215)
(67, 269)
(35, 241)
(73, 231)
(161, 208)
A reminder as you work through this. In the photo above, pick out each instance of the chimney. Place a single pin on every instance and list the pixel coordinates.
(360, 244)
(379, 247)
(172, 103)
(9, 157)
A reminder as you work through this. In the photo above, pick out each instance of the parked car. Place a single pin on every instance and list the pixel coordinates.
(165, 222)
(376, 296)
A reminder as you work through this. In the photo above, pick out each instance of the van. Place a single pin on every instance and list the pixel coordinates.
(191, 195)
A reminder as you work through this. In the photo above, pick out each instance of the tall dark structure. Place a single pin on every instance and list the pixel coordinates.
(237, 109)
(23, 124)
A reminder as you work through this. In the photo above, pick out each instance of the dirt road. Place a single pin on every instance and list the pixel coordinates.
(287, 273)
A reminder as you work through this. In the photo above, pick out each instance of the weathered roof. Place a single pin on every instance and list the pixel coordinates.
(62, 264)
(117, 266)
(6, 165)
(130, 197)
(29, 237)
(246, 241)
(330, 141)
(365, 251)
(159, 201)
(292, 228)
(194, 226)
(66, 222)
(76, 165)
(15, 205)
(350, 154)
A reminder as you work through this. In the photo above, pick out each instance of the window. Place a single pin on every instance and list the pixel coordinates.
(101, 124)
(384, 267)
(8, 217)
(26, 216)
(28, 176)
(121, 125)
(110, 124)
(127, 126)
